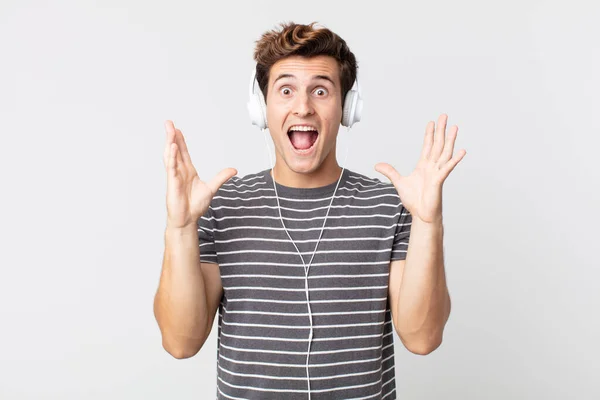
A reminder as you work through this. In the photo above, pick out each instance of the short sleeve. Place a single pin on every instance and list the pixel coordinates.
(402, 234)
(206, 239)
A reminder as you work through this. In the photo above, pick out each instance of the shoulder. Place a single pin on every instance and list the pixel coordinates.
(357, 177)
(361, 184)
(249, 180)
(373, 193)
(246, 187)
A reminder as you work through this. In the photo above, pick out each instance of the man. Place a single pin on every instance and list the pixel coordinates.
(309, 264)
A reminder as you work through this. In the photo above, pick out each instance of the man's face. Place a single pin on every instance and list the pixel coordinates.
(304, 92)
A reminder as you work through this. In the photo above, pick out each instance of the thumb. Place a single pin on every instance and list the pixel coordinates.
(222, 177)
(389, 171)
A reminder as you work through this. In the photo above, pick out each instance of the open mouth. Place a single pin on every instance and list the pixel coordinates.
(303, 138)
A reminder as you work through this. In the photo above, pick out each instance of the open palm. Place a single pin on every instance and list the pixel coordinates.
(421, 191)
(188, 197)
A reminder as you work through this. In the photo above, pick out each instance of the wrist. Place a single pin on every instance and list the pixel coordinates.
(436, 223)
(180, 230)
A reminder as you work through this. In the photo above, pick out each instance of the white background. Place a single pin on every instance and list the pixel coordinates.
(85, 88)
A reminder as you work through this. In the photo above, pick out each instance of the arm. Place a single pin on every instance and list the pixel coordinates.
(420, 303)
(188, 295)
(419, 297)
(189, 291)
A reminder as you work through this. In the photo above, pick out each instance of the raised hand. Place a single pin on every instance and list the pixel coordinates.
(421, 191)
(188, 197)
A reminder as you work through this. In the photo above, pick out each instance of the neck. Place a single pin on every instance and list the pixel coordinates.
(327, 173)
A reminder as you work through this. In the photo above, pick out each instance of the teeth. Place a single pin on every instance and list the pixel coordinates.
(302, 128)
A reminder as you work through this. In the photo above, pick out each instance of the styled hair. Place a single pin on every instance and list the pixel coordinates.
(303, 40)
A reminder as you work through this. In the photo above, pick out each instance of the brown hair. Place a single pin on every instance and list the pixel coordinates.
(303, 40)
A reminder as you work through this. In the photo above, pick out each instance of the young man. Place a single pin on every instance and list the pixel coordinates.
(308, 264)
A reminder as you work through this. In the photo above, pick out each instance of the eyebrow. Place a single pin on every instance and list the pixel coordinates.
(315, 77)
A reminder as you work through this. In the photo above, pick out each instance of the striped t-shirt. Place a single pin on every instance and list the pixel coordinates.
(263, 323)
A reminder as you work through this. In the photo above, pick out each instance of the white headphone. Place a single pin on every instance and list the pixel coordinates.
(257, 107)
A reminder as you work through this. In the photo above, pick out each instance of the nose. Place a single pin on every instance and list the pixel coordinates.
(302, 105)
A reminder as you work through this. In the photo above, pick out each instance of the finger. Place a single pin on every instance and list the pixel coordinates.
(449, 146)
(172, 160)
(388, 171)
(170, 129)
(428, 141)
(185, 155)
(180, 163)
(449, 166)
(215, 183)
(439, 139)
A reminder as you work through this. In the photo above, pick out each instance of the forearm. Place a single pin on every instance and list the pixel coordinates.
(180, 304)
(423, 300)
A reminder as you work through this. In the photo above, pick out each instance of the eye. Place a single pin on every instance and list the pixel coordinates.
(321, 92)
(285, 91)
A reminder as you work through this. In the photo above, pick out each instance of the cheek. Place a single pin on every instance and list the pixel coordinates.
(276, 113)
(333, 114)
(332, 119)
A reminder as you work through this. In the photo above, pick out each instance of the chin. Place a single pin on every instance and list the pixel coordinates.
(303, 167)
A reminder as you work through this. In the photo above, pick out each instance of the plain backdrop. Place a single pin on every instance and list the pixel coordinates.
(85, 87)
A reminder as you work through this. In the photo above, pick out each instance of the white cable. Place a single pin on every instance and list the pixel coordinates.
(306, 269)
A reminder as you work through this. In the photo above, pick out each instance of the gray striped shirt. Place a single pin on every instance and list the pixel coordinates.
(263, 316)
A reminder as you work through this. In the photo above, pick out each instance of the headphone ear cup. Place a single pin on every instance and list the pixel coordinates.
(352, 108)
(255, 112)
(263, 107)
(349, 108)
(258, 111)
(257, 108)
